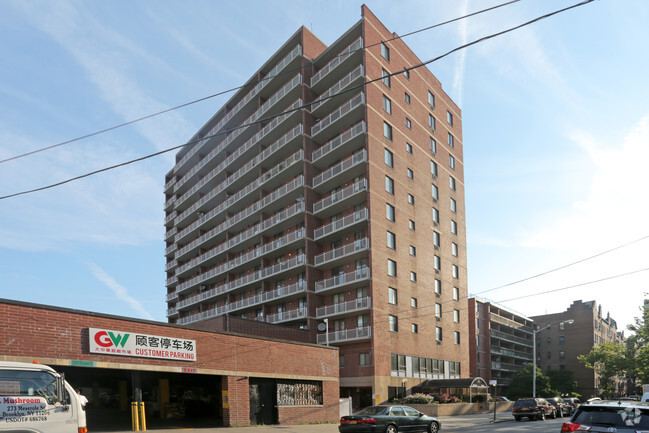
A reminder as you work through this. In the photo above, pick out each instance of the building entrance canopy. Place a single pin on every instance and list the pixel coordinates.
(474, 386)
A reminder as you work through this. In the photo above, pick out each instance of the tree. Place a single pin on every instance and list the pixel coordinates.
(608, 360)
(639, 352)
(521, 384)
(562, 381)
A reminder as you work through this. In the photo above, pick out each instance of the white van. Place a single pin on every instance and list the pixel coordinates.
(35, 398)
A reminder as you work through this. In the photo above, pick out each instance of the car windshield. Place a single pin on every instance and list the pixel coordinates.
(525, 403)
(636, 419)
(372, 410)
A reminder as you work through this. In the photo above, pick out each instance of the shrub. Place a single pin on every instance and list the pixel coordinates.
(417, 399)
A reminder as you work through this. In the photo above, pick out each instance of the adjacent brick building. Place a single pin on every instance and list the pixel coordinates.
(317, 200)
(559, 346)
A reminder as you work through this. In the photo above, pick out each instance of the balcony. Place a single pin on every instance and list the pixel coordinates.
(214, 312)
(171, 265)
(350, 55)
(346, 335)
(510, 323)
(172, 312)
(262, 298)
(171, 249)
(354, 306)
(349, 280)
(345, 116)
(340, 226)
(332, 97)
(172, 296)
(349, 141)
(509, 337)
(336, 202)
(346, 253)
(285, 316)
(495, 350)
(348, 168)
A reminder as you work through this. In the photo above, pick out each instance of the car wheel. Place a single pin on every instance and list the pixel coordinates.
(391, 429)
(542, 416)
(553, 415)
(517, 418)
(560, 414)
(433, 428)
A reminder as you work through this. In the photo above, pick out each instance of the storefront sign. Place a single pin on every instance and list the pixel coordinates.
(124, 343)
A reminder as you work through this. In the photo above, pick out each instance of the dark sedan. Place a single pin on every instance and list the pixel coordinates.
(388, 419)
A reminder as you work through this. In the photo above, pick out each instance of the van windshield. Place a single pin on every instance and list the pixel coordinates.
(21, 383)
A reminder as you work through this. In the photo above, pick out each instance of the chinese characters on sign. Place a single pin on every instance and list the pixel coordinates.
(126, 343)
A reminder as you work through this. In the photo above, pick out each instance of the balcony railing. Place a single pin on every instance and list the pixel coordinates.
(341, 167)
(511, 323)
(339, 86)
(344, 307)
(338, 196)
(510, 337)
(171, 296)
(202, 315)
(360, 274)
(341, 252)
(338, 114)
(333, 63)
(284, 316)
(354, 131)
(362, 333)
(340, 224)
(172, 312)
(262, 298)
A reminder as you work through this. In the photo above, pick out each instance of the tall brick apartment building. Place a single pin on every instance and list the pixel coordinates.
(317, 201)
(559, 345)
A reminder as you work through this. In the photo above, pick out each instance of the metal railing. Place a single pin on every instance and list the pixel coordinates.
(344, 307)
(339, 86)
(336, 142)
(362, 333)
(345, 250)
(344, 165)
(337, 60)
(340, 195)
(342, 279)
(340, 224)
(338, 113)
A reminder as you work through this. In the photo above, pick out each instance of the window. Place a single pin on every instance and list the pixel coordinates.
(451, 161)
(409, 148)
(341, 361)
(392, 241)
(413, 251)
(438, 333)
(392, 295)
(562, 340)
(389, 185)
(410, 173)
(389, 158)
(408, 123)
(437, 264)
(406, 96)
(387, 104)
(433, 145)
(364, 359)
(387, 131)
(435, 217)
(438, 311)
(438, 288)
(562, 326)
(392, 268)
(549, 355)
(453, 205)
(456, 294)
(456, 272)
(414, 328)
(413, 276)
(385, 77)
(453, 227)
(389, 212)
(435, 192)
(562, 354)
(385, 52)
(431, 100)
(436, 240)
(362, 320)
(451, 182)
(411, 199)
(394, 323)
(549, 340)
(411, 224)
(454, 249)
(433, 169)
(406, 73)
(451, 140)
(456, 316)
(449, 118)
(431, 122)
(456, 337)
(413, 302)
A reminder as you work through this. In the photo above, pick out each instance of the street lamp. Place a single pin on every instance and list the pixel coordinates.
(565, 322)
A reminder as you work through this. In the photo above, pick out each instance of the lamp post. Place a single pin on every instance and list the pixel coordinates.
(566, 322)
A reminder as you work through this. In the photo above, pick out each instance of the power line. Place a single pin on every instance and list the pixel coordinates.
(303, 105)
(177, 107)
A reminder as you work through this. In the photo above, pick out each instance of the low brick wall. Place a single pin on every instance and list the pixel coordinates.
(452, 409)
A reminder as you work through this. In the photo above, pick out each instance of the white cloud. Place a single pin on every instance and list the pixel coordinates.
(458, 79)
(120, 291)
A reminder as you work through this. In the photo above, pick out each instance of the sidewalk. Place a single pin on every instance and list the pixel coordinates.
(449, 423)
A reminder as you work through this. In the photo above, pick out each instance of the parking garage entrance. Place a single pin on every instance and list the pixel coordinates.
(170, 399)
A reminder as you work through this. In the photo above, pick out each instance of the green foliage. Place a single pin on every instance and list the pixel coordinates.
(563, 382)
(638, 352)
(521, 384)
(608, 360)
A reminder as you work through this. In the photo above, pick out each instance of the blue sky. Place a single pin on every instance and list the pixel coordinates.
(556, 137)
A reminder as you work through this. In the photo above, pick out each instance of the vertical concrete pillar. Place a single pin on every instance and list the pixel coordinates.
(163, 385)
(236, 401)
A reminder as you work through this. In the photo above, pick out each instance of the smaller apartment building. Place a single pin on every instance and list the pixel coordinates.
(500, 342)
(559, 346)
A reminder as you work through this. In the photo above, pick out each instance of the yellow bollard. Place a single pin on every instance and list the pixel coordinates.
(142, 415)
(135, 422)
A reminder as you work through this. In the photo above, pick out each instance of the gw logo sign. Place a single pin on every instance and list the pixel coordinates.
(108, 339)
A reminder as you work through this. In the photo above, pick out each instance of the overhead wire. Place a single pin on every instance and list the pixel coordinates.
(266, 119)
(250, 84)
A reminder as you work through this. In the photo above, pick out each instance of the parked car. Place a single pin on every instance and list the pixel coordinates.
(593, 400)
(610, 416)
(501, 398)
(388, 419)
(561, 407)
(574, 403)
(533, 408)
